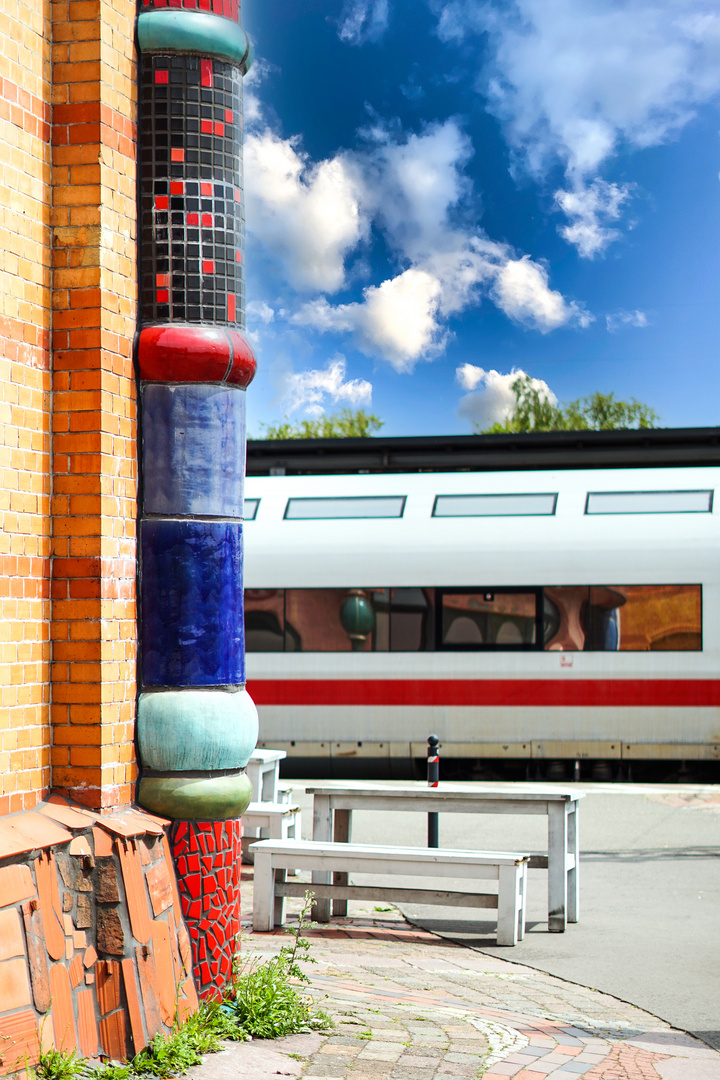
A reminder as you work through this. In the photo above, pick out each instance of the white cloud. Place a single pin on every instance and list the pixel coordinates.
(402, 319)
(490, 399)
(363, 20)
(310, 390)
(259, 311)
(589, 209)
(417, 182)
(576, 80)
(620, 319)
(308, 216)
(312, 217)
(397, 319)
(522, 291)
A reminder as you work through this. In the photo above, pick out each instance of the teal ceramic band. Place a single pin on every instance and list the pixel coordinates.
(196, 798)
(196, 730)
(166, 30)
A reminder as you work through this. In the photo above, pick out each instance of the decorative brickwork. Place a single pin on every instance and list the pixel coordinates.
(95, 956)
(94, 409)
(24, 405)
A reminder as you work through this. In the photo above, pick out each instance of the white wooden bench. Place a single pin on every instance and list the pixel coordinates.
(274, 857)
(282, 820)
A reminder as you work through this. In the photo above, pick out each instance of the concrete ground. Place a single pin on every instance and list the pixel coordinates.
(409, 1005)
(649, 929)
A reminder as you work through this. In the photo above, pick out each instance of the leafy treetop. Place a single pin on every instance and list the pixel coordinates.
(598, 412)
(343, 425)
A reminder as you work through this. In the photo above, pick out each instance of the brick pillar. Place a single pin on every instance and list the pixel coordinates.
(93, 222)
(24, 405)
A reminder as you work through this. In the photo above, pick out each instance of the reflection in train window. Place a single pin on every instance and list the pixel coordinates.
(488, 619)
(403, 619)
(624, 618)
(557, 618)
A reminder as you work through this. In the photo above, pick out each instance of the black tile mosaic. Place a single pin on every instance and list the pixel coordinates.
(191, 190)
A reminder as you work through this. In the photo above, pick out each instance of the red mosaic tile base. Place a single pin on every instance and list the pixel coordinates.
(230, 9)
(207, 859)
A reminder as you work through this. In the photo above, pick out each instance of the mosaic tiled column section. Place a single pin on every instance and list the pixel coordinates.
(197, 725)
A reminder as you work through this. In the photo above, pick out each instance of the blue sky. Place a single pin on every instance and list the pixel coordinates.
(440, 193)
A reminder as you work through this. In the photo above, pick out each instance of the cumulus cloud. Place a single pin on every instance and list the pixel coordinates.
(618, 320)
(412, 187)
(308, 216)
(590, 208)
(259, 311)
(417, 181)
(522, 291)
(575, 80)
(312, 217)
(311, 390)
(397, 319)
(489, 398)
(403, 319)
(363, 20)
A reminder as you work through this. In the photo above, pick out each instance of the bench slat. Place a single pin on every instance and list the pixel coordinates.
(400, 896)
(317, 849)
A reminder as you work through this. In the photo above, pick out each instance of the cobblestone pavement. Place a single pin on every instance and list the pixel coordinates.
(408, 1005)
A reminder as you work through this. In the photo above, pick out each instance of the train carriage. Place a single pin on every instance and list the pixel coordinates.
(536, 602)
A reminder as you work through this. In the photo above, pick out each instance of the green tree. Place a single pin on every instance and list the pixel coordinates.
(343, 425)
(598, 412)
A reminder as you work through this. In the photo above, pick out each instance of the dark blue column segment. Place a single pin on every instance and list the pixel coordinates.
(191, 598)
(193, 446)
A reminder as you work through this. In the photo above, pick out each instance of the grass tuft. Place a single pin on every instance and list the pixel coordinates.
(263, 997)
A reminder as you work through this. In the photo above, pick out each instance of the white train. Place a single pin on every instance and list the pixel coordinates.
(523, 615)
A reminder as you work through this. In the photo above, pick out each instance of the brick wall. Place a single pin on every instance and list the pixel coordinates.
(24, 403)
(94, 411)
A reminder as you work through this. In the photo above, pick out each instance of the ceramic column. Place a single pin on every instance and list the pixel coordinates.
(196, 725)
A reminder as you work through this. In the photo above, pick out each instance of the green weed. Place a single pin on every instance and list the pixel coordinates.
(59, 1065)
(263, 998)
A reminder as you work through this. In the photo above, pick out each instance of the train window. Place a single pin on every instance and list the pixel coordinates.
(489, 619)
(374, 506)
(649, 502)
(623, 618)
(494, 505)
(265, 620)
(659, 618)
(411, 620)
(331, 620)
(250, 509)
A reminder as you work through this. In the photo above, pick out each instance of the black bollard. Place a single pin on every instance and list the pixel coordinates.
(433, 778)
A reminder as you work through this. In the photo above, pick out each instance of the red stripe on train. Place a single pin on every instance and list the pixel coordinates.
(608, 693)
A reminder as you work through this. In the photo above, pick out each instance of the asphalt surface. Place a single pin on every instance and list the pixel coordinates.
(649, 929)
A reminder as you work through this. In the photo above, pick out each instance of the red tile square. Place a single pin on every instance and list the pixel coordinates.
(177, 154)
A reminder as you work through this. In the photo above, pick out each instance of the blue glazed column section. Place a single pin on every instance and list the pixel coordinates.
(193, 443)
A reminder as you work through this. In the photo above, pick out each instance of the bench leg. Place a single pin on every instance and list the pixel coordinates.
(557, 866)
(263, 892)
(508, 904)
(279, 901)
(523, 901)
(342, 834)
(322, 830)
(573, 882)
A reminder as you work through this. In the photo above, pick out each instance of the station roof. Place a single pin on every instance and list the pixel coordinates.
(620, 449)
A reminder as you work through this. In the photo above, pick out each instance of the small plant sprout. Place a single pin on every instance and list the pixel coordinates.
(262, 999)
